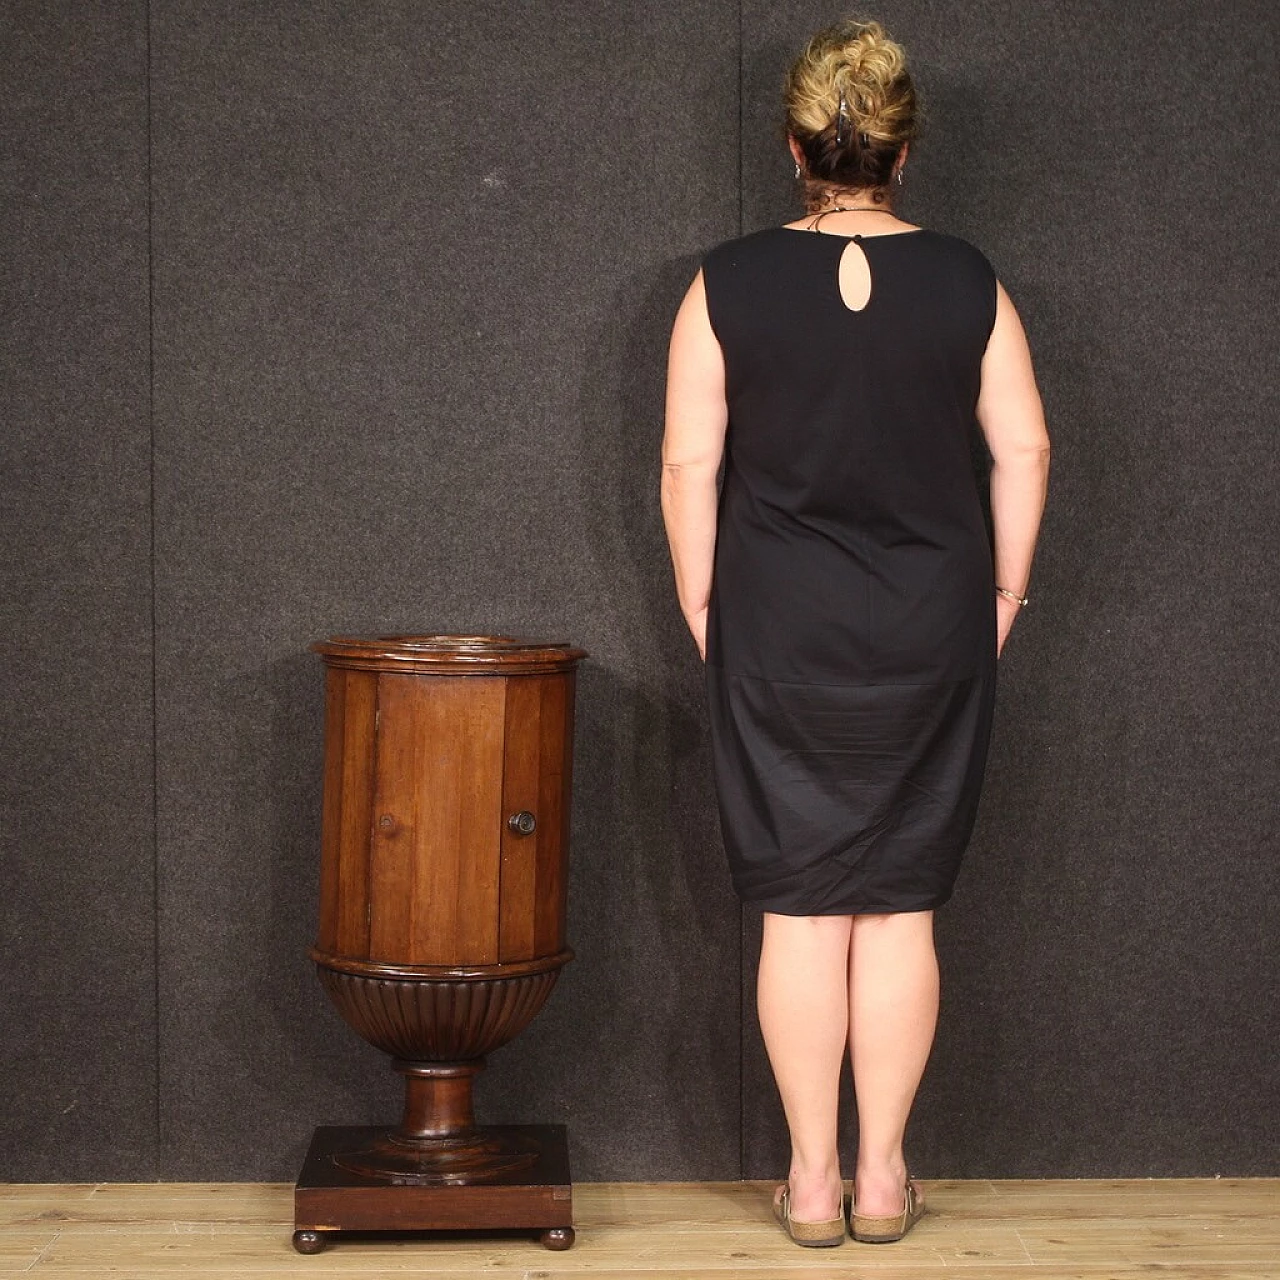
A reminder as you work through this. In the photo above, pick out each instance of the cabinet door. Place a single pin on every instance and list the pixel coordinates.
(537, 783)
(437, 820)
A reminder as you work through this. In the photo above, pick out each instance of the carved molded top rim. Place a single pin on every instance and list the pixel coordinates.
(444, 650)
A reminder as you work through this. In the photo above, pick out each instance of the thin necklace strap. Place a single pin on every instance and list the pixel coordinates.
(839, 208)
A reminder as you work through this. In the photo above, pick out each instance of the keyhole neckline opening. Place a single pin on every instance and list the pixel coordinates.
(854, 252)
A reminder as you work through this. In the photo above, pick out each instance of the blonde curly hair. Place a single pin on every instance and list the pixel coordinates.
(857, 58)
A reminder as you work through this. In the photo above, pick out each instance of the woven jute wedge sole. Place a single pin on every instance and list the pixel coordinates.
(813, 1235)
(884, 1230)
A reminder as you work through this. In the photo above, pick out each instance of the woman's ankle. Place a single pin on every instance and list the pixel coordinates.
(880, 1178)
(817, 1193)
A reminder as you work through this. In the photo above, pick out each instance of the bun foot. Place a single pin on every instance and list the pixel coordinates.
(308, 1241)
(557, 1237)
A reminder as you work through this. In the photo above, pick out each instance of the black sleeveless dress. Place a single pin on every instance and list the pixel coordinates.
(851, 635)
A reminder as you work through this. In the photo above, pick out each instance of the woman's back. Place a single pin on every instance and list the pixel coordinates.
(851, 544)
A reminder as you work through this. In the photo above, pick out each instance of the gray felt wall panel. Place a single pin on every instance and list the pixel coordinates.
(77, 1005)
(413, 287)
(1110, 956)
(414, 269)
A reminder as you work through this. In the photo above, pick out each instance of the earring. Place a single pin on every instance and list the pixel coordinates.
(899, 177)
(797, 168)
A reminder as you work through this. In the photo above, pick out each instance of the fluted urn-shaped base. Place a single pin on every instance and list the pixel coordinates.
(446, 1019)
(437, 1030)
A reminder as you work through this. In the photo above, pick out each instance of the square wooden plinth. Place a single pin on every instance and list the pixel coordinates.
(327, 1198)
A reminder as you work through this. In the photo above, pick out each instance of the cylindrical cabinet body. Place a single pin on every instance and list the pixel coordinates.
(424, 771)
(444, 878)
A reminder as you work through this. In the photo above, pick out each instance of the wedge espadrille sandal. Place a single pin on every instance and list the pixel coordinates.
(813, 1235)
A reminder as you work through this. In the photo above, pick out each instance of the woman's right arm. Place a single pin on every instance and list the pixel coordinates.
(1012, 420)
(692, 446)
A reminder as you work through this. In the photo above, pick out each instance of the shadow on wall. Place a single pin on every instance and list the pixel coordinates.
(321, 1071)
(649, 1001)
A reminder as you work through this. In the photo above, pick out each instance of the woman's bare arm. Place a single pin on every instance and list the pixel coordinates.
(1012, 420)
(692, 445)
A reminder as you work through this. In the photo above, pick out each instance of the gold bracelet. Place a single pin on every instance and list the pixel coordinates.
(1021, 600)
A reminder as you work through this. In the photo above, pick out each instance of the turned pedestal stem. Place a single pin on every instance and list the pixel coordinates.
(437, 1098)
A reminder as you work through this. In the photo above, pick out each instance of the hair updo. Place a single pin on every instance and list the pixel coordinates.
(859, 59)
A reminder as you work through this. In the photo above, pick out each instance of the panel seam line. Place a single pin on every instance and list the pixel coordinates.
(151, 498)
(742, 947)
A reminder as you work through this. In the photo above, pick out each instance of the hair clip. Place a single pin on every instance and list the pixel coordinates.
(842, 121)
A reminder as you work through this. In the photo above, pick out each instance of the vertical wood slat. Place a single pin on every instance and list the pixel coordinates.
(335, 690)
(534, 870)
(350, 698)
(393, 820)
(461, 916)
(553, 860)
(521, 764)
(435, 843)
(359, 736)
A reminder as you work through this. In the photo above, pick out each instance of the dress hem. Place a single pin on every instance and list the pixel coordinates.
(762, 904)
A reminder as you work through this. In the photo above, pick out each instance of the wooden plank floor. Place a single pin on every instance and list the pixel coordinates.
(1200, 1229)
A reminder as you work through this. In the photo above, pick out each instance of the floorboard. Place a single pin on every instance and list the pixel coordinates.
(1171, 1229)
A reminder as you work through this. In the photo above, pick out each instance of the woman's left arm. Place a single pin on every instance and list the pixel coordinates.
(697, 417)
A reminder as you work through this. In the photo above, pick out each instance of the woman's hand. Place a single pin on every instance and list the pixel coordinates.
(698, 625)
(1006, 612)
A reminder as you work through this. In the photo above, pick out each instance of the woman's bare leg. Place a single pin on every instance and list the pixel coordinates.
(893, 1013)
(802, 998)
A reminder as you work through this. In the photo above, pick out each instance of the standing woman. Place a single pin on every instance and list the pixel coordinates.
(847, 602)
